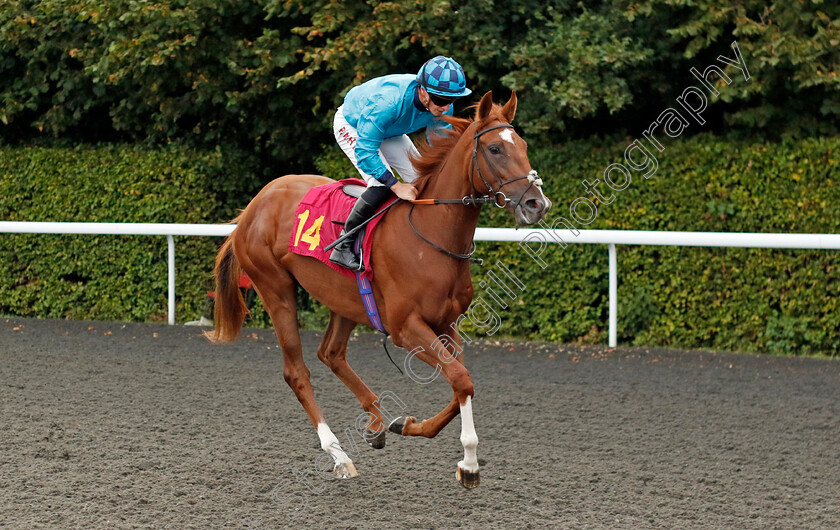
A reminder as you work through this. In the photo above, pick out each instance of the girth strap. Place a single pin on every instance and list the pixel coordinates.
(369, 301)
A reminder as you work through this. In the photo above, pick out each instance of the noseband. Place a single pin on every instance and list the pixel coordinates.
(476, 199)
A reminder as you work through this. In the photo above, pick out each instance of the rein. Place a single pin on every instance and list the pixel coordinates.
(441, 249)
(475, 199)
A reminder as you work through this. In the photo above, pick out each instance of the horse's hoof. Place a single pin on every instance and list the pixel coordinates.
(345, 470)
(375, 439)
(398, 424)
(468, 479)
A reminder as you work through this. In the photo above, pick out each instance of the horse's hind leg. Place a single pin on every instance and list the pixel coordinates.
(333, 353)
(276, 288)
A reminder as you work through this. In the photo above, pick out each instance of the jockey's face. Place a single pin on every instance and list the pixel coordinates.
(434, 107)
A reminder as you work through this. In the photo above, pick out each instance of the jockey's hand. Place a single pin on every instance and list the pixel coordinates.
(404, 191)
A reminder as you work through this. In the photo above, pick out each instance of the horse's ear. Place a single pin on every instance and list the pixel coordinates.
(486, 105)
(509, 110)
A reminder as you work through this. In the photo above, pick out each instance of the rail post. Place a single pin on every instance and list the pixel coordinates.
(613, 296)
(171, 244)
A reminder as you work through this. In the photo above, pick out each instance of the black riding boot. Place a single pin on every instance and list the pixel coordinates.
(366, 205)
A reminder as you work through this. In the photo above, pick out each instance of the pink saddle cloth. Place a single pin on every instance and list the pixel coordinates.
(319, 219)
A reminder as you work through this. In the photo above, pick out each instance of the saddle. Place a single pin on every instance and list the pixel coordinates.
(353, 190)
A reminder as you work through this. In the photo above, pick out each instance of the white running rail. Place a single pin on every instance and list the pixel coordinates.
(131, 229)
(611, 238)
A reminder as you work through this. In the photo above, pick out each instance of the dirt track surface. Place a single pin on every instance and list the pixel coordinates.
(112, 425)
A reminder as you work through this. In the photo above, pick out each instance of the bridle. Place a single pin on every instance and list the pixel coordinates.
(532, 177)
(476, 199)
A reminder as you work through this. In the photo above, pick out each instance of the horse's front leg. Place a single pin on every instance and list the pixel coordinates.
(428, 428)
(467, 472)
(417, 336)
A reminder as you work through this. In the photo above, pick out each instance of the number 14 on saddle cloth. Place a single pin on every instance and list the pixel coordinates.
(318, 221)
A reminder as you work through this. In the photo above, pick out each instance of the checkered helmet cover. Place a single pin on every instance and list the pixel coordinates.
(444, 77)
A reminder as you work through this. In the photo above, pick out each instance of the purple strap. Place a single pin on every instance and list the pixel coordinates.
(366, 291)
(370, 303)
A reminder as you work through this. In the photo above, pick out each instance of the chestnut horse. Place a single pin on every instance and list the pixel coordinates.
(420, 291)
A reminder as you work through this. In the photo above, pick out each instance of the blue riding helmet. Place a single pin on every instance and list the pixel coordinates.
(444, 77)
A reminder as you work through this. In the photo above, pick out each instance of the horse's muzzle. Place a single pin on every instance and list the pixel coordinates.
(532, 209)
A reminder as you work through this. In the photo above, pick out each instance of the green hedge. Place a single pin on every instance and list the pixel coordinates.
(113, 277)
(776, 301)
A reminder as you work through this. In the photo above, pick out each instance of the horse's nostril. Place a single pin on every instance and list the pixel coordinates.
(534, 204)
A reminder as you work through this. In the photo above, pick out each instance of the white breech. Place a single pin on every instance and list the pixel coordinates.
(394, 152)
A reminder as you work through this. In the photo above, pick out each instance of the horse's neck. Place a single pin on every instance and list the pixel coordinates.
(452, 180)
(454, 224)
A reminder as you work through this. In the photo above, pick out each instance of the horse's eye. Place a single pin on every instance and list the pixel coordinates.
(495, 149)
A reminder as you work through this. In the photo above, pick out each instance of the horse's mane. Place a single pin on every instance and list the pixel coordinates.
(432, 155)
(443, 140)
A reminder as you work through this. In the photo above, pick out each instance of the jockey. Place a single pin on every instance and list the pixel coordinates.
(371, 128)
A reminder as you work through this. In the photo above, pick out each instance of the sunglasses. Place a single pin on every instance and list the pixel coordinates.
(439, 100)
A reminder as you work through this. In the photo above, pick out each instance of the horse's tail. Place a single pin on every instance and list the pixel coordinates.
(230, 309)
